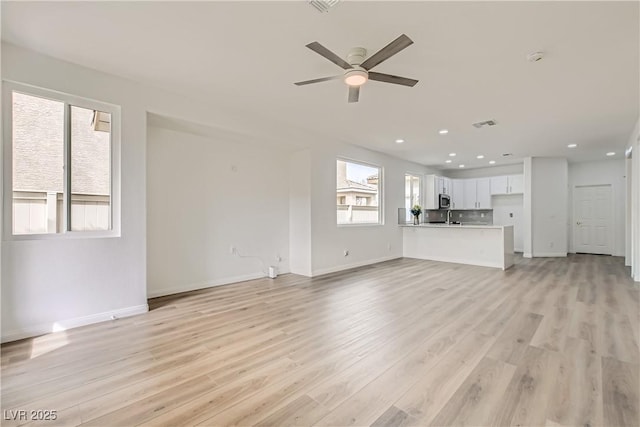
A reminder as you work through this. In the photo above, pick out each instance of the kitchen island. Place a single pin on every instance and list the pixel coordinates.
(484, 245)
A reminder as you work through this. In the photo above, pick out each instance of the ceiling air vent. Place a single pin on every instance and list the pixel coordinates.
(323, 5)
(485, 123)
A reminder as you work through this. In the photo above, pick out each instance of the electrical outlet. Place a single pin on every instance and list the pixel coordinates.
(389, 246)
(551, 244)
(346, 252)
(278, 258)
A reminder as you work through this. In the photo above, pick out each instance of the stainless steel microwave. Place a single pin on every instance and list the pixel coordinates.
(445, 201)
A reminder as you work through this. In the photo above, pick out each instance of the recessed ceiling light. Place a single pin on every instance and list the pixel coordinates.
(492, 162)
(448, 161)
(611, 153)
(572, 145)
(460, 166)
(399, 141)
(443, 131)
(452, 154)
(480, 157)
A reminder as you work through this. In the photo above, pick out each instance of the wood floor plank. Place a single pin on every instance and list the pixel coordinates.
(551, 341)
(432, 388)
(393, 417)
(577, 394)
(516, 337)
(620, 392)
(526, 398)
(475, 401)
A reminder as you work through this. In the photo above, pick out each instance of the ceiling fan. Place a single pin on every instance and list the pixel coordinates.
(358, 70)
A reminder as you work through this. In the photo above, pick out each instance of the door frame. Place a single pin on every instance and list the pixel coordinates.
(612, 220)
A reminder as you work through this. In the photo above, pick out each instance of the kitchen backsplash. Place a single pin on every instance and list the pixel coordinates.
(465, 216)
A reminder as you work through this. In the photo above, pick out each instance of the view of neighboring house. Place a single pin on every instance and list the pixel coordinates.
(38, 167)
(356, 200)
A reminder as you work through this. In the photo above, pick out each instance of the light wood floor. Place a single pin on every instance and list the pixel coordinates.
(406, 342)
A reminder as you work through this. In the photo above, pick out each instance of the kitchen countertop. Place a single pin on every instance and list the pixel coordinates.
(436, 225)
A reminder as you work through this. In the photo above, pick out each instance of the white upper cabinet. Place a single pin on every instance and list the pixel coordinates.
(457, 193)
(477, 193)
(470, 201)
(508, 184)
(499, 185)
(444, 185)
(434, 186)
(431, 194)
(483, 193)
(516, 184)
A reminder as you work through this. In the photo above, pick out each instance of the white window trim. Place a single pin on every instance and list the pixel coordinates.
(8, 87)
(420, 188)
(381, 215)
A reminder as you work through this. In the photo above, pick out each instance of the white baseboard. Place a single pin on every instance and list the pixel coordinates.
(153, 293)
(550, 255)
(63, 325)
(335, 269)
(527, 255)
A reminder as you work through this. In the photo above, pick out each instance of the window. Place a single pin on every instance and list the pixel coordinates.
(358, 193)
(411, 194)
(61, 163)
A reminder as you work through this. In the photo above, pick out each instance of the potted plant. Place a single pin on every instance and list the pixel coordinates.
(416, 210)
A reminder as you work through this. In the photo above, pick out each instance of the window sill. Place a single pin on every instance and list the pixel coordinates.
(376, 224)
(64, 236)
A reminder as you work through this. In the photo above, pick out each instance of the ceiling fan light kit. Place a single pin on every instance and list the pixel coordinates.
(356, 76)
(358, 69)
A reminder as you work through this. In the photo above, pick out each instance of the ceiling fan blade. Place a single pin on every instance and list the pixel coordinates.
(354, 93)
(323, 51)
(322, 79)
(388, 78)
(386, 52)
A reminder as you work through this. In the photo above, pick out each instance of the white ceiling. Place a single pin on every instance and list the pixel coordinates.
(470, 58)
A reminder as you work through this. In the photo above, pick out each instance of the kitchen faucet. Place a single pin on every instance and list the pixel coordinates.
(448, 216)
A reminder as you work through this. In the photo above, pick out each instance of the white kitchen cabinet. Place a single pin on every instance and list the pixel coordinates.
(434, 186)
(457, 193)
(483, 193)
(444, 185)
(516, 184)
(499, 185)
(507, 184)
(477, 193)
(430, 192)
(469, 197)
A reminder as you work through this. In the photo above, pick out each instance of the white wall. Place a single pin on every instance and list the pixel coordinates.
(206, 195)
(509, 210)
(604, 172)
(366, 243)
(54, 284)
(514, 169)
(634, 221)
(300, 212)
(549, 213)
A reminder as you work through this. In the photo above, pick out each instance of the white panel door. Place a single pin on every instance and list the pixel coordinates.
(592, 219)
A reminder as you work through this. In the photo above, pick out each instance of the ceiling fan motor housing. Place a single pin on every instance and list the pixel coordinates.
(356, 55)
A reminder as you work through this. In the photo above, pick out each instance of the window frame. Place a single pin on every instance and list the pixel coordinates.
(408, 216)
(381, 216)
(8, 87)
